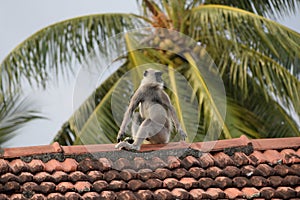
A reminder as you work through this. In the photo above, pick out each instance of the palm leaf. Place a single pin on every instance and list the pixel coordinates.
(210, 94)
(245, 43)
(258, 118)
(46, 53)
(266, 8)
(15, 112)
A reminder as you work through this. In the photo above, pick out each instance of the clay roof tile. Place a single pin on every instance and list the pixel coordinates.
(82, 186)
(206, 160)
(94, 176)
(233, 193)
(25, 177)
(73, 195)
(47, 187)
(100, 185)
(180, 193)
(189, 162)
(223, 182)
(156, 163)
(18, 166)
(123, 163)
(105, 164)
(197, 193)
(78, 176)
(173, 162)
(213, 172)
(273, 156)
(107, 195)
(59, 176)
(231, 171)
(64, 187)
(42, 176)
(234, 168)
(285, 192)
(197, 172)
(36, 166)
(135, 185)
(127, 195)
(163, 194)
(4, 166)
(189, 183)
(267, 192)
(55, 196)
(250, 192)
(53, 165)
(171, 183)
(145, 194)
(215, 193)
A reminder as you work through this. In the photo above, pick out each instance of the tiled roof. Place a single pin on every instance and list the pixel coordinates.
(235, 168)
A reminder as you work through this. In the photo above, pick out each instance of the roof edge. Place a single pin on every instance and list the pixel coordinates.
(209, 146)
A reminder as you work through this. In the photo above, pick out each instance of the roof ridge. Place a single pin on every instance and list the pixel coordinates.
(229, 146)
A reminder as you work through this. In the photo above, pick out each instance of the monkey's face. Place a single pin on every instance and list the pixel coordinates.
(152, 76)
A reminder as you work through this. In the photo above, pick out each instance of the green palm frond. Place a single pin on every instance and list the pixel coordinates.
(15, 112)
(57, 48)
(243, 43)
(258, 118)
(268, 8)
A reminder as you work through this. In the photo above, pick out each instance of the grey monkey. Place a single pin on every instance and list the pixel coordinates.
(153, 122)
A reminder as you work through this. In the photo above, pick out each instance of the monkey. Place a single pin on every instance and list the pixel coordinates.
(154, 120)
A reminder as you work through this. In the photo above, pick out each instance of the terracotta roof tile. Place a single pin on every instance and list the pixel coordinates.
(164, 194)
(64, 187)
(197, 172)
(72, 195)
(250, 192)
(145, 194)
(135, 185)
(233, 169)
(197, 193)
(127, 195)
(215, 193)
(189, 183)
(107, 195)
(223, 182)
(213, 172)
(173, 162)
(180, 193)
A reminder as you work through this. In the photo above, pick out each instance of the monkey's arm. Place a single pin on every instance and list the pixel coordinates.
(134, 102)
(167, 102)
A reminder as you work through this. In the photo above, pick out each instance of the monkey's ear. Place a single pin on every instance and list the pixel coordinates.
(145, 73)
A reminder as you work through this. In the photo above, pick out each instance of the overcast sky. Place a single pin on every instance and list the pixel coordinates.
(19, 19)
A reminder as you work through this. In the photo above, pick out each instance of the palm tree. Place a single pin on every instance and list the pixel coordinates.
(15, 112)
(257, 59)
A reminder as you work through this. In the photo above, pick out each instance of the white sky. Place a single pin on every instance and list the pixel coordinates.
(19, 19)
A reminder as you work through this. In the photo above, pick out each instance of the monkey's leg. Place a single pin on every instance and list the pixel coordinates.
(149, 129)
(162, 137)
(136, 122)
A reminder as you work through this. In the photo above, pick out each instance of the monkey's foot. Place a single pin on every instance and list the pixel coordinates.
(127, 146)
(129, 140)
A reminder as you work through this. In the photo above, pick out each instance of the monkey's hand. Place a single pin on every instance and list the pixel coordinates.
(121, 134)
(182, 134)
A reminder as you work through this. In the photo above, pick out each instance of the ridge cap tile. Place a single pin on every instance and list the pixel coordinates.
(17, 152)
(211, 146)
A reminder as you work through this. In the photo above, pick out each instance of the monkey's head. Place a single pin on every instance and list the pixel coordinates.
(152, 76)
